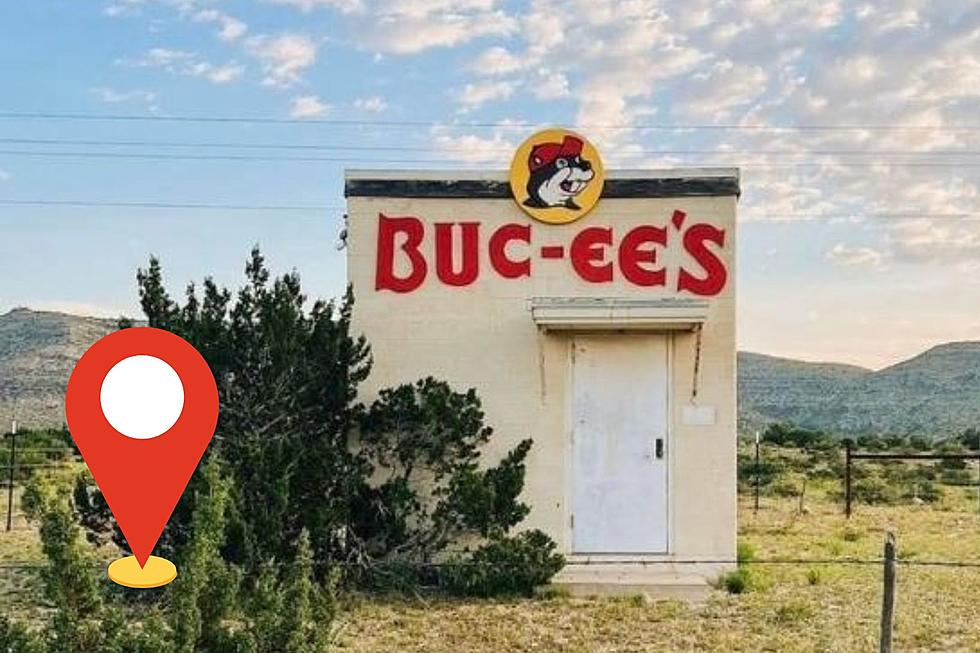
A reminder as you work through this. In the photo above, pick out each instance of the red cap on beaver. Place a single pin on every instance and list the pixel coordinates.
(544, 154)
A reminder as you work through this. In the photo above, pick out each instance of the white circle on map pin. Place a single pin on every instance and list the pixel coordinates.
(142, 397)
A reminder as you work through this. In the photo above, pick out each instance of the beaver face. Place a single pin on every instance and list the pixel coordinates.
(559, 183)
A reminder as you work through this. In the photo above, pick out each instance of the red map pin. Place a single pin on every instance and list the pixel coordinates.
(142, 406)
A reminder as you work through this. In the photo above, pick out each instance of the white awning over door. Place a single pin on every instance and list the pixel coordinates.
(614, 314)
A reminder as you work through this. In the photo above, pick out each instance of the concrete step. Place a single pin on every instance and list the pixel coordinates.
(653, 579)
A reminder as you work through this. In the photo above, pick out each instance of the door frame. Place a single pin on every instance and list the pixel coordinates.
(569, 415)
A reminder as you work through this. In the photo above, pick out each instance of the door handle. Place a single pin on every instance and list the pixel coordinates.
(659, 448)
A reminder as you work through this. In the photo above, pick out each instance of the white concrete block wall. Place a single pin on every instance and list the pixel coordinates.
(483, 336)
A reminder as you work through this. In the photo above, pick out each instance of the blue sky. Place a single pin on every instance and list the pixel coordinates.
(838, 260)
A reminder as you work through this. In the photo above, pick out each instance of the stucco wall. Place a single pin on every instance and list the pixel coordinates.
(483, 336)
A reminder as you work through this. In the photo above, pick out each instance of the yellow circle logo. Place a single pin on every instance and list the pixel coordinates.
(556, 176)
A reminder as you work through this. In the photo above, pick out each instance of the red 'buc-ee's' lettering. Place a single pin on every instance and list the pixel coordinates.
(588, 254)
(457, 254)
(470, 267)
(388, 230)
(506, 267)
(695, 243)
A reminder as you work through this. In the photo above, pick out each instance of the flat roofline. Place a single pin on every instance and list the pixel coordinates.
(502, 175)
(493, 184)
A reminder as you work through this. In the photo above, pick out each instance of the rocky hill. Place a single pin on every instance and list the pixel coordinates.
(934, 393)
(772, 389)
(38, 350)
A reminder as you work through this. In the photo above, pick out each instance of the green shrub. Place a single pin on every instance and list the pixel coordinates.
(849, 534)
(16, 638)
(736, 582)
(926, 491)
(814, 576)
(788, 435)
(745, 552)
(792, 613)
(506, 565)
(957, 477)
(786, 487)
(382, 490)
(874, 490)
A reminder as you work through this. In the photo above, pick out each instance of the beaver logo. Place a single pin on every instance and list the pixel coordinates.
(556, 176)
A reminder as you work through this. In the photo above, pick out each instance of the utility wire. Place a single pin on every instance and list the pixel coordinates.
(213, 157)
(467, 150)
(313, 208)
(349, 160)
(38, 115)
(168, 205)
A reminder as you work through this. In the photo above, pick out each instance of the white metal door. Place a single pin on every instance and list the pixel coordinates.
(619, 444)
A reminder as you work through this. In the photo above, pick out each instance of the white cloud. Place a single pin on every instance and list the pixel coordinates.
(856, 71)
(468, 148)
(346, 6)
(846, 256)
(230, 28)
(549, 85)
(413, 26)
(308, 106)
(472, 96)
(219, 74)
(163, 58)
(373, 104)
(284, 58)
(935, 241)
(122, 7)
(4, 175)
(182, 62)
(715, 94)
(112, 96)
(496, 61)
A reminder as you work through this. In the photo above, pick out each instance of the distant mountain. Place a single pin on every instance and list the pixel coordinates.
(38, 350)
(772, 389)
(936, 392)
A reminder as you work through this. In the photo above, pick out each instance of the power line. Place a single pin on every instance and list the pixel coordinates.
(170, 205)
(211, 157)
(314, 208)
(349, 160)
(37, 115)
(441, 150)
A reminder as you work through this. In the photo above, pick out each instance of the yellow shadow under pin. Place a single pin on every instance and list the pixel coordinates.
(156, 573)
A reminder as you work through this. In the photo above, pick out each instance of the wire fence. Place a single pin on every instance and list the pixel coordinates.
(21, 578)
(755, 474)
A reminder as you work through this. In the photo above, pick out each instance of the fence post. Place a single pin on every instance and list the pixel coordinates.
(888, 596)
(10, 474)
(758, 470)
(847, 478)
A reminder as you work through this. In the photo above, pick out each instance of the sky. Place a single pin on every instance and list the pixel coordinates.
(856, 127)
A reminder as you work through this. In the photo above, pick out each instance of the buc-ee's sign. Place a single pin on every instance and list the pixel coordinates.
(556, 177)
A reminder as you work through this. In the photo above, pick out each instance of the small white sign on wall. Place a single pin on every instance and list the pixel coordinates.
(693, 415)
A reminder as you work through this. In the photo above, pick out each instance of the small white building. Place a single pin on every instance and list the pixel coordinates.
(606, 335)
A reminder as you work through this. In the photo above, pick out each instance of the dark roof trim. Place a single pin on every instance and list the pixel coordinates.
(490, 189)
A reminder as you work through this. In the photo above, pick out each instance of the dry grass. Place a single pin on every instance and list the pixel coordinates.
(790, 609)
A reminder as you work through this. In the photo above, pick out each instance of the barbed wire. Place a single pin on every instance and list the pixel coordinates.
(908, 562)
